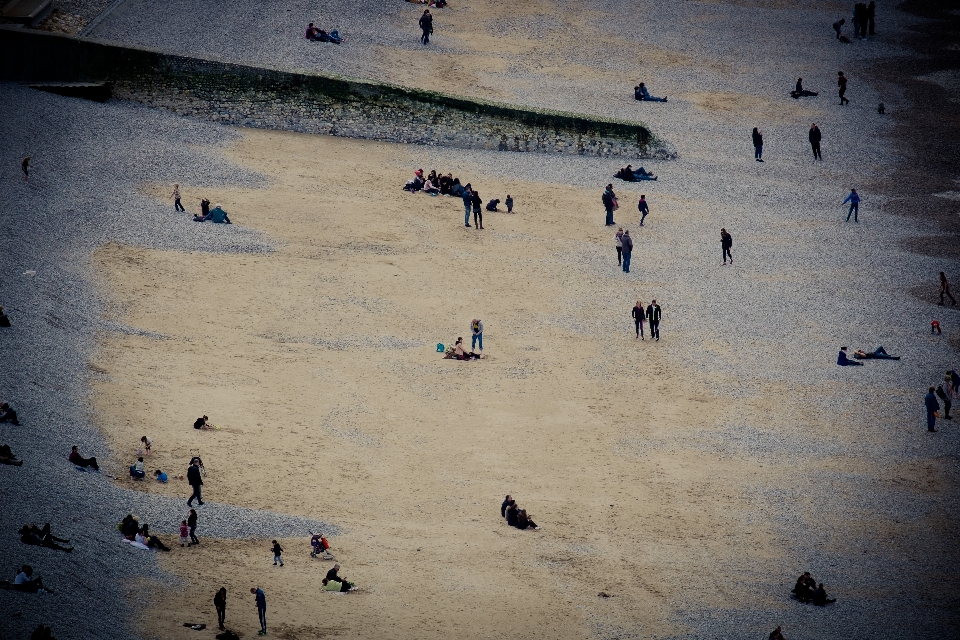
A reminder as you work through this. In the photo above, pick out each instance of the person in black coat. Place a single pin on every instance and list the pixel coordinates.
(426, 25)
(758, 144)
(820, 598)
(193, 477)
(653, 316)
(726, 242)
(477, 213)
(871, 13)
(220, 603)
(814, 137)
(627, 246)
(506, 503)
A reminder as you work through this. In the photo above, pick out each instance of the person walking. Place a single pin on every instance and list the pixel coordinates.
(277, 551)
(627, 242)
(726, 242)
(477, 203)
(842, 84)
(618, 240)
(467, 204)
(638, 316)
(261, 600)
(220, 603)
(653, 316)
(193, 477)
(426, 25)
(476, 333)
(945, 290)
(643, 208)
(854, 200)
(176, 198)
(932, 406)
(25, 166)
(192, 526)
(815, 141)
(757, 144)
(609, 199)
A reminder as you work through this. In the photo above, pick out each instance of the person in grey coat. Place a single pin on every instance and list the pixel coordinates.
(627, 247)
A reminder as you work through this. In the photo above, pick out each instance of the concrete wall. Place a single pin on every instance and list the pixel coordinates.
(312, 103)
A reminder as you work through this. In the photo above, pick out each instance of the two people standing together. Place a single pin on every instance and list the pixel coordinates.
(651, 314)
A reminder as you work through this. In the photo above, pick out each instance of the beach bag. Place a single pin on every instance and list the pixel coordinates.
(616, 205)
(324, 544)
(440, 347)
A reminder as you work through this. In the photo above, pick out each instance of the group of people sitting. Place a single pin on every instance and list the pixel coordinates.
(25, 581)
(33, 535)
(7, 414)
(335, 582)
(457, 352)
(515, 516)
(807, 590)
(629, 174)
(7, 457)
(877, 354)
(319, 35)
(139, 535)
(217, 214)
(640, 93)
(434, 185)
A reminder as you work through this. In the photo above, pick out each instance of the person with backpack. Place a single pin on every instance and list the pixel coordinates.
(726, 242)
(609, 199)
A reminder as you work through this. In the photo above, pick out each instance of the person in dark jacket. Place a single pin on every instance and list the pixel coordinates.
(193, 477)
(506, 503)
(871, 14)
(477, 210)
(814, 137)
(933, 406)
(844, 361)
(467, 204)
(842, 85)
(80, 461)
(7, 414)
(261, 600)
(638, 317)
(426, 25)
(820, 598)
(512, 514)
(800, 92)
(192, 524)
(838, 27)
(758, 144)
(220, 603)
(726, 242)
(643, 208)
(627, 243)
(653, 316)
(609, 199)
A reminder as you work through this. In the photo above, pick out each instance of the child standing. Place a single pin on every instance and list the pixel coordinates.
(147, 444)
(184, 533)
(509, 203)
(277, 550)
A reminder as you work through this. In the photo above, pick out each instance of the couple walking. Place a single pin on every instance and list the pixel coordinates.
(651, 314)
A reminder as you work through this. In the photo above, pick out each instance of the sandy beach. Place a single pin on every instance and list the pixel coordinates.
(681, 486)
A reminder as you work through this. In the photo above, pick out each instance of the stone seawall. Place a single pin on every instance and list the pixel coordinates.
(313, 103)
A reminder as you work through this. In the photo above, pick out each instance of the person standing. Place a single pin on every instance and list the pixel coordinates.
(815, 141)
(871, 14)
(946, 393)
(842, 84)
(627, 242)
(638, 316)
(854, 200)
(609, 199)
(220, 603)
(509, 203)
(277, 551)
(726, 242)
(261, 600)
(857, 16)
(25, 165)
(426, 26)
(932, 406)
(618, 239)
(476, 333)
(653, 316)
(192, 526)
(176, 198)
(643, 208)
(193, 477)
(945, 290)
(467, 204)
(757, 144)
(477, 203)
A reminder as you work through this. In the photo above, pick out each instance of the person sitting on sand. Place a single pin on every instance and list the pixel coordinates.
(506, 503)
(459, 353)
(203, 423)
(7, 457)
(776, 634)
(136, 469)
(333, 575)
(525, 522)
(160, 476)
(800, 91)
(7, 414)
(334, 585)
(492, 205)
(640, 93)
(33, 536)
(844, 361)
(512, 514)
(80, 461)
(444, 183)
(153, 542)
(878, 354)
(804, 587)
(24, 581)
(430, 187)
(820, 598)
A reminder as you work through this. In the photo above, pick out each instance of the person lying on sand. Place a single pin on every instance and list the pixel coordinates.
(33, 536)
(333, 585)
(844, 361)
(878, 354)
(7, 414)
(152, 542)
(7, 457)
(629, 174)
